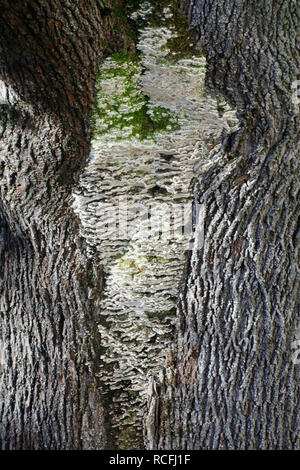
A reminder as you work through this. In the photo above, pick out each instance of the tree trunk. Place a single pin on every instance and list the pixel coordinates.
(234, 381)
(49, 289)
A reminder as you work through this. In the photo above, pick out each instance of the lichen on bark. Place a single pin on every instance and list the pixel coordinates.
(151, 166)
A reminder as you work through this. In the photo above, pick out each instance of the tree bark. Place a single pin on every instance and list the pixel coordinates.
(49, 289)
(232, 383)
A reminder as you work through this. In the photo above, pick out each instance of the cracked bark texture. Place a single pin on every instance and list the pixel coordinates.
(232, 383)
(49, 290)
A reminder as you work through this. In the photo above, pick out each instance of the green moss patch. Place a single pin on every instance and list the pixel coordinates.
(121, 108)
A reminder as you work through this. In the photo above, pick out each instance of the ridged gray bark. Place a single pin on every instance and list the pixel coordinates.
(232, 383)
(49, 290)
